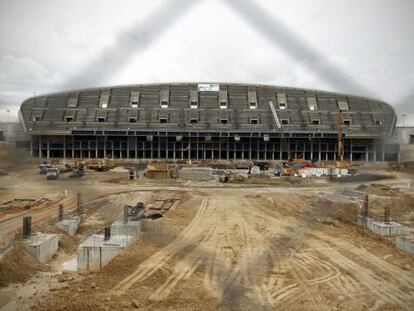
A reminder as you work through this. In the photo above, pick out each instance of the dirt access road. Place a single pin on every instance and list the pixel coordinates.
(254, 250)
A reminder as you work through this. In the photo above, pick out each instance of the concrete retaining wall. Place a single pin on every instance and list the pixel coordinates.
(131, 228)
(384, 229)
(94, 253)
(405, 243)
(362, 221)
(43, 246)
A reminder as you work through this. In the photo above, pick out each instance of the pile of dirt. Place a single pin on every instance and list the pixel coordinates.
(381, 196)
(17, 265)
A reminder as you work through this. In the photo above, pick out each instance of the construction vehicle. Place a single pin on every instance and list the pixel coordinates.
(100, 166)
(52, 173)
(43, 168)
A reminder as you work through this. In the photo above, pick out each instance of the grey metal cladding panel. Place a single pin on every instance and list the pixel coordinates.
(236, 90)
(135, 96)
(72, 101)
(81, 115)
(296, 103)
(343, 104)
(312, 102)
(223, 96)
(305, 117)
(208, 101)
(121, 91)
(88, 101)
(145, 116)
(208, 116)
(281, 98)
(53, 115)
(375, 106)
(91, 93)
(56, 102)
(164, 94)
(238, 103)
(194, 96)
(357, 104)
(324, 104)
(70, 113)
(193, 113)
(179, 90)
(178, 103)
(148, 101)
(119, 102)
(39, 102)
(135, 113)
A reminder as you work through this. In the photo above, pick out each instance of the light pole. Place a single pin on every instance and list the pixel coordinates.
(403, 115)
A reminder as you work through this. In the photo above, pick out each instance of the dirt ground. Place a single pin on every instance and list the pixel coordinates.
(229, 247)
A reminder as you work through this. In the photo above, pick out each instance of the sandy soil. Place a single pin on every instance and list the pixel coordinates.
(236, 247)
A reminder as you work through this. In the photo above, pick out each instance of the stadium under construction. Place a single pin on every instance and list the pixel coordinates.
(204, 121)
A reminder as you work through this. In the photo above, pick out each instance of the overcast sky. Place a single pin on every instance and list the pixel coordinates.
(51, 45)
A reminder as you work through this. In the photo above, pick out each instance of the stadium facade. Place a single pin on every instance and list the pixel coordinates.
(205, 121)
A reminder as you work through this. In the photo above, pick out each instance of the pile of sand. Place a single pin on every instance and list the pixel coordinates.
(17, 265)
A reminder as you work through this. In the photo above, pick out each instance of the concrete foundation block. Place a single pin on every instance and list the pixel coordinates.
(385, 229)
(405, 243)
(43, 246)
(362, 221)
(131, 228)
(95, 253)
(70, 226)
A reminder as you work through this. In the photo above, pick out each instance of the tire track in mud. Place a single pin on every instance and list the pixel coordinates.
(378, 286)
(255, 257)
(159, 259)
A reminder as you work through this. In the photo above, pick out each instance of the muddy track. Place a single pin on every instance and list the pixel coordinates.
(252, 256)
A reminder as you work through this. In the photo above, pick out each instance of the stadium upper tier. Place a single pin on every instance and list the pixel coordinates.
(205, 107)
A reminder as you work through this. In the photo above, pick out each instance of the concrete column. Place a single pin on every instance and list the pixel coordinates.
(311, 150)
(319, 151)
(48, 149)
(350, 153)
(228, 146)
(250, 148)
(197, 147)
(105, 147)
(280, 148)
(159, 147)
(220, 142)
(136, 146)
(127, 147)
(31, 146)
(73, 147)
(40, 148)
(64, 147)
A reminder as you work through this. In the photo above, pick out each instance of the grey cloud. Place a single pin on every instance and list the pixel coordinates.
(134, 40)
(296, 47)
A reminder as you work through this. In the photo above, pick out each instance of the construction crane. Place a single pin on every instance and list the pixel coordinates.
(340, 159)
